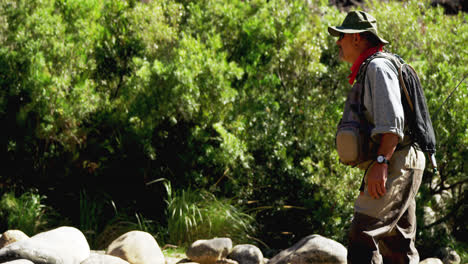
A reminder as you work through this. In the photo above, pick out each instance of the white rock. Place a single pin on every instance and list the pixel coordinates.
(431, 261)
(209, 251)
(246, 254)
(19, 261)
(450, 256)
(312, 249)
(226, 261)
(103, 259)
(11, 236)
(61, 245)
(137, 247)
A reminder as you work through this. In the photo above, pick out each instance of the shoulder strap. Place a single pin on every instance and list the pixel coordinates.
(397, 61)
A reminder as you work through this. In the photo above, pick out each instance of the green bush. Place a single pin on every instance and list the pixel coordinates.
(25, 213)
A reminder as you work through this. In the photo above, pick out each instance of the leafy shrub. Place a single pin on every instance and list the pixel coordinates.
(25, 213)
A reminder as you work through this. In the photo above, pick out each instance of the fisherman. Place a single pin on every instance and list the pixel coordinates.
(383, 228)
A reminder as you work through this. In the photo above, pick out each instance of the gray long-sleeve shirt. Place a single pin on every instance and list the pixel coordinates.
(382, 99)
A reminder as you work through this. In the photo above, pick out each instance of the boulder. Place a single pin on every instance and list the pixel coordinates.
(57, 246)
(312, 249)
(209, 251)
(100, 252)
(431, 261)
(136, 247)
(184, 261)
(246, 254)
(226, 261)
(103, 259)
(19, 261)
(449, 256)
(12, 236)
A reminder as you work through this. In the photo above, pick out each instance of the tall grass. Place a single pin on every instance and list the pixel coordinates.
(198, 214)
(99, 231)
(120, 224)
(25, 212)
(225, 219)
(91, 211)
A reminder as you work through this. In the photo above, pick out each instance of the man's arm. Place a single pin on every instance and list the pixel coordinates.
(377, 176)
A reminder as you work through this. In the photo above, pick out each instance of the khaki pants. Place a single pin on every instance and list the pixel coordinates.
(383, 230)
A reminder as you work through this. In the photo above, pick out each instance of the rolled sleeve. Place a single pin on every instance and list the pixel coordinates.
(382, 99)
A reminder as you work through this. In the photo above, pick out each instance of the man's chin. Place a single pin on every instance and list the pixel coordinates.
(342, 58)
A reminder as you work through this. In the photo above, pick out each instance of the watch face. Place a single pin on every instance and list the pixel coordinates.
(380, 159)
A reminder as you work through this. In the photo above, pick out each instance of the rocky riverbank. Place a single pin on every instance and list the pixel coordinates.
(68, 245)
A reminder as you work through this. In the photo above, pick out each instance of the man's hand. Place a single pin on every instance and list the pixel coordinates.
(376, 180)
(377, 176)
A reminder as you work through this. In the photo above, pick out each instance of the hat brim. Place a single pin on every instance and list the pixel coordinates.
(336, 31)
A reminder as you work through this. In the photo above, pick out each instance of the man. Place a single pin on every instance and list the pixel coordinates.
(384, 224)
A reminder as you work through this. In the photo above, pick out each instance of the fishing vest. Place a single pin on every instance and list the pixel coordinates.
(353, 137)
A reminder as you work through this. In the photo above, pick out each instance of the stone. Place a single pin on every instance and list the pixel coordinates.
(450, 256)
(136, 247)
(246, 254)
(19, 261)
(312, 249)
(61, 245)
(100, 252)
(12, 236)
(209, 251)
(184, 261)
(431, 261)
(226, 261)
(95, 258)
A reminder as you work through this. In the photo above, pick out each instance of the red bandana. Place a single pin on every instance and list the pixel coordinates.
(357, 63)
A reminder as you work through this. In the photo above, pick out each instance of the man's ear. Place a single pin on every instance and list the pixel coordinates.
(359, 40)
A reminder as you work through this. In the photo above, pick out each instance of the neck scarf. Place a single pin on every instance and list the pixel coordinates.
(362, 57)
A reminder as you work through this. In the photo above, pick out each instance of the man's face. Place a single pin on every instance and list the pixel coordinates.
(347, 48)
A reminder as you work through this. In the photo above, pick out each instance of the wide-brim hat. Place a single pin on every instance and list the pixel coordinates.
(357, 22)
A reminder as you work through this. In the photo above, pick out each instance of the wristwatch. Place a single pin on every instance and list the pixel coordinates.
(381, 159)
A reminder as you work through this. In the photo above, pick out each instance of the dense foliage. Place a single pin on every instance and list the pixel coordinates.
(100, 99)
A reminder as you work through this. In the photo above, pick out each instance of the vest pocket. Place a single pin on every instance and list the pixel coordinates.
(353, 143)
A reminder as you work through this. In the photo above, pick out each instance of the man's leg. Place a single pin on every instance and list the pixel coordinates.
(363, 248)
(376, 220)
(398, 247)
